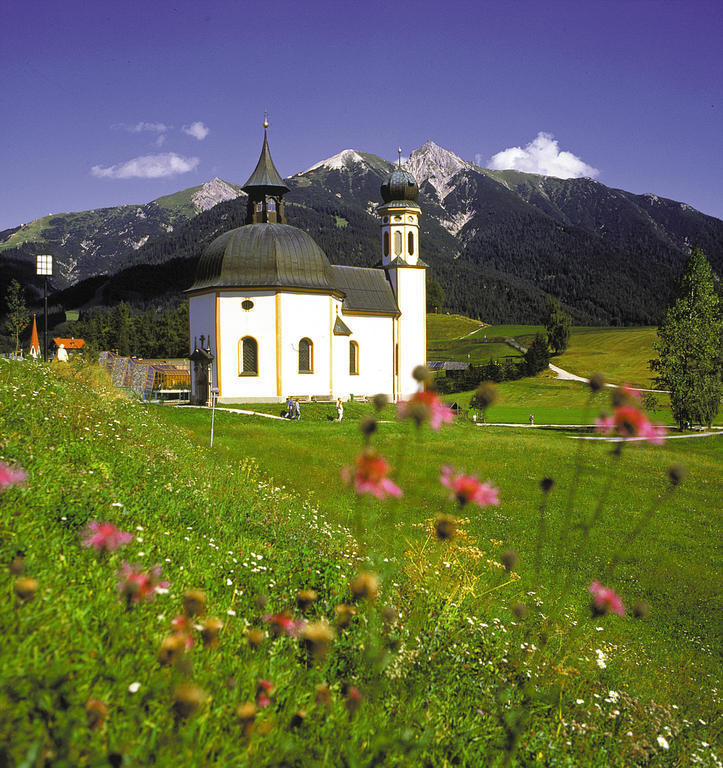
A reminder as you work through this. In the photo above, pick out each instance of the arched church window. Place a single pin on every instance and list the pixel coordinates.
(306, 356)
(410, 243)
(270, 205)
(353, 358)
(397, 243)
(248, 357)
(386, 243)
(259, 207)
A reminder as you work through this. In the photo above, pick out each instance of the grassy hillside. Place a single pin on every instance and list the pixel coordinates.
(457, 662)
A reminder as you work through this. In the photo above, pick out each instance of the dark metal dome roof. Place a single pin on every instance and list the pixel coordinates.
(264, 255)
(400, 185)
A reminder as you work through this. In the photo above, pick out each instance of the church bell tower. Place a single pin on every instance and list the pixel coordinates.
(266, 190)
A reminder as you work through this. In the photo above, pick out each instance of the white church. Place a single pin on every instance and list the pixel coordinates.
(271, 317)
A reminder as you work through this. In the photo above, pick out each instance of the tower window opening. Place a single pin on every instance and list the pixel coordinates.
(386, 243)
(248, 357)
(397, 243)
(306, 356)
(270, 205)
(353, 358)
(410, 243)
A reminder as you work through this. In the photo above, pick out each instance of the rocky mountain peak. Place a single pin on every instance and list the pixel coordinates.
(212, 193)
(343, 161)
(436, 165)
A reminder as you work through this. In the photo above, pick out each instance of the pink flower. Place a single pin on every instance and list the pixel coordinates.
(605, 600)
(467, 488)
(425, 406)
(105, 537)
(631, 392)
(370, 476)
(628, 421)
(10, 476)
(283, 624)
(264, 689)
(135, 585)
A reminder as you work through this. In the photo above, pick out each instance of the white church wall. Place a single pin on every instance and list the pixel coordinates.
(374, 335)
(202, 320)
(412, 300)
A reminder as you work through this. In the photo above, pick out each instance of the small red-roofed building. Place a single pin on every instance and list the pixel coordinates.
(70, 346)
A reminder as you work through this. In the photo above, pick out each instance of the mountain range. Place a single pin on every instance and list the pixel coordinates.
(498, 242)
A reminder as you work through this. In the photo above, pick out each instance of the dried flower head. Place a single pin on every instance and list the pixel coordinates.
(421, 374)
(676, 474)
(323, 695)
(96, 713)
(546, 484)
(255, 637)
(246, 714)
(605, 600)
(194, 602)
(365, 586)
(305, 598)
(136, 585)
(380, 402)
(485, 394)
(316, 638)
(25, 589)
(282, 624)
(209, 632)
(520, 610)
(264, 690)
(368, 426)
(187, 699)
(509, 558)
(390, 614)
(17, 566)
(260, 601)
(641, 610)
(445, 527)
(344, 615)
(172, 648)
(596, 383)
(353, 700)
(298, 718)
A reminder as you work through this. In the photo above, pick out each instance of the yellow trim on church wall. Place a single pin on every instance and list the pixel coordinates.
(218, 343)
(331, 345)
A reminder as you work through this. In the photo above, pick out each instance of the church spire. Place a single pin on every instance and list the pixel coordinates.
(265, 189)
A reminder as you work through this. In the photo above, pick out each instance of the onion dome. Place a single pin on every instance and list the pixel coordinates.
(264, 256)
(400, 185)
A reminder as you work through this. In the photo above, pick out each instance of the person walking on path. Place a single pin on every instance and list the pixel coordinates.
(290, 408)
(297, 410)
(532, 420)
(339, 409)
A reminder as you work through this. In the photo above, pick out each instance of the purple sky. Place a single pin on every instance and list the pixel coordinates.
(632, 89)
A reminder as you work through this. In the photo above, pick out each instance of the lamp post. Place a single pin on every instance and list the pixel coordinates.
(44, 267)
(214, 395)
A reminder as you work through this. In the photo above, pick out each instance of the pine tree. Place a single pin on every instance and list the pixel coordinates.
(558, 326)
(18, 315)
(689, 345)
(537, 356)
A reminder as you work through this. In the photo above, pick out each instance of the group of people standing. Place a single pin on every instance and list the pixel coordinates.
(293, 409)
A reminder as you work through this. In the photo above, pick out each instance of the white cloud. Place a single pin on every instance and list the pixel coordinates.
(542, 156)
(142, 127)
(198, 130)
(160, 140)
(147, 167)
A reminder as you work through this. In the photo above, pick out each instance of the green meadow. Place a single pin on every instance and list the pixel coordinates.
(479, 649)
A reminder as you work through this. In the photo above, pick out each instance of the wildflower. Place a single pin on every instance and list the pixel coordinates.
(445, 527)
(135, 585)
(254, 637)
(421, 374)
(305, 598)
(264, 689)
(520, 610)
(11, 476)
(628, 421)
(390, 614)
(663, 742)
(509, 558)
(468, 489)
(365, 586)
(105, 537)
(134, 687)
(631, 393)
(344, 615)
(676, 474)
(95, 713)
(370, 476)
(187, 699)
(298, 719)
(171, 649)
(425, 406)
(246, 713)
(282, 624)
(17, 566)
(353, 699)
(605, 600)
(546, 484)
(368, 426)
(25, 589)
(641, 610)
(316, 637)
(194, 602)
